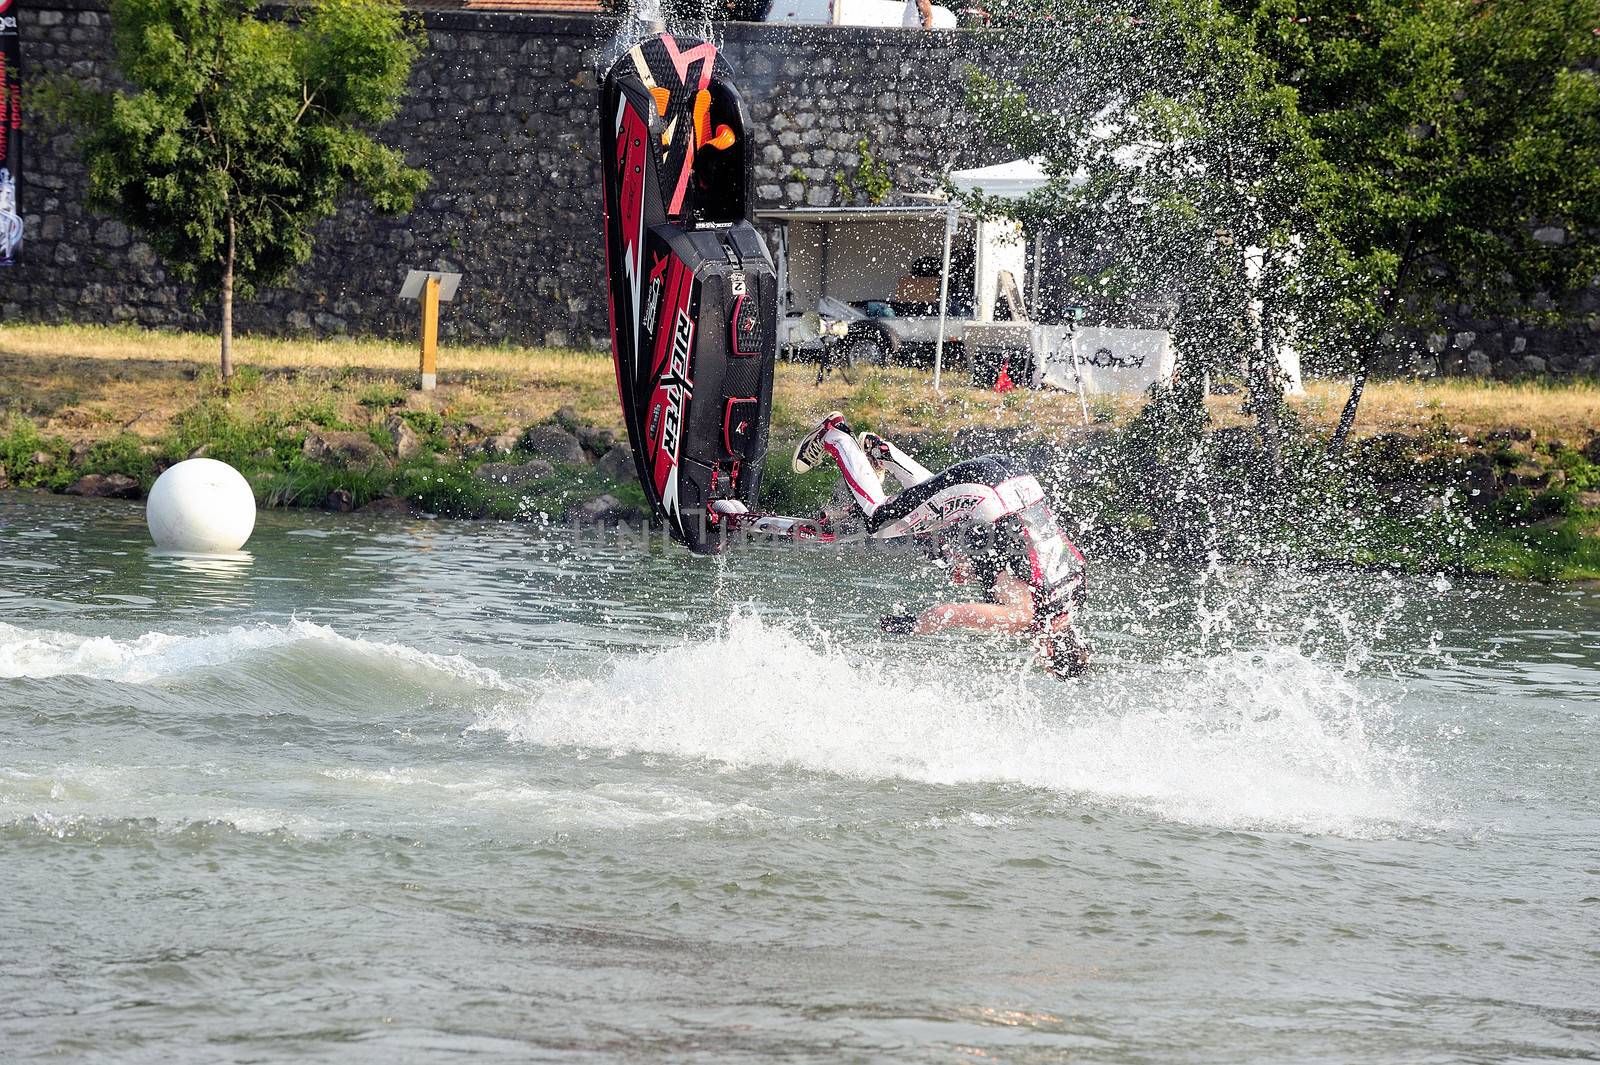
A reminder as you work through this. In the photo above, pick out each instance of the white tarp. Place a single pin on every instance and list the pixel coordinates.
(853, 13)
(1107, 360)
(1011, 181)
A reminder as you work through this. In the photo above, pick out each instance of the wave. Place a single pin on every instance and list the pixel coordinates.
(155, 656)
(1262, 739)
(1265, 739)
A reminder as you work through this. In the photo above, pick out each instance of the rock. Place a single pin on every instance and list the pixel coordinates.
(105, 486)
(1478, 363)
(80, 452)
(515, 474)
(601, 508)
(200, 452)
(1516, 432)
(1534, 364)
(567, 418)
(553, 443)
(394, 506)
(596, 441)
(1478, 477)
(350, 450)
(499, 444)
(42, 458)
(1591, 450)
(112, 234)
(618, 465)
(340, 501)
(4, 482)
(407, 444)
(1527, 475)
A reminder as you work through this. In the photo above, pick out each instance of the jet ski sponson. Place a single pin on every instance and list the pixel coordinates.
(693, 290)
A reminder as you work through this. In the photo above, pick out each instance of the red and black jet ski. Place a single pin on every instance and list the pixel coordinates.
(693, 289)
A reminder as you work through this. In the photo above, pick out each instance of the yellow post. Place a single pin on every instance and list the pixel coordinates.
(430, 334)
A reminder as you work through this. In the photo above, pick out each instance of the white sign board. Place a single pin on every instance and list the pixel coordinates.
(1107, 360)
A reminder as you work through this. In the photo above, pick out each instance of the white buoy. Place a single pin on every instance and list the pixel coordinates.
(201, 506)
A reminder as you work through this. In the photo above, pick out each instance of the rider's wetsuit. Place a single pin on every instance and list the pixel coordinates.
(1032, 548)
(1001, 515)
(1027, 542)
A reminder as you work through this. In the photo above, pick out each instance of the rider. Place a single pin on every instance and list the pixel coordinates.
(992, 526)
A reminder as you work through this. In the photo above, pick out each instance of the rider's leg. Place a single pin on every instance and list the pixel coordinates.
(966, 492)
(832, 437)
(907, 470)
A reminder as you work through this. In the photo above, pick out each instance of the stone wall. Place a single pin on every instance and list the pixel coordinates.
(502, 113)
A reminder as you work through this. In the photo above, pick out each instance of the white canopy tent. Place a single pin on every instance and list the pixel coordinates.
(1021, 177)
(1010, 181)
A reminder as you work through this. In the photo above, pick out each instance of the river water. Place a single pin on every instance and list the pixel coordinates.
(418, 790)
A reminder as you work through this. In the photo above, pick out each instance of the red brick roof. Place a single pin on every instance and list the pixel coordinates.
(553, 7)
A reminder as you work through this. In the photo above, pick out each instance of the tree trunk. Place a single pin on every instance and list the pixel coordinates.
(1347, 418)
(1391, 303)
(227, 306)
(1266, 393)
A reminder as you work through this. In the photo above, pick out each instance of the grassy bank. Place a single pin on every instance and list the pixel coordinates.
(1513, 464)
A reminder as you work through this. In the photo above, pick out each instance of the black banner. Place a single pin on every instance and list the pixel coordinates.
(10, 128)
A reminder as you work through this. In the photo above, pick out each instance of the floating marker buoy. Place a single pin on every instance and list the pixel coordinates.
(201, 506)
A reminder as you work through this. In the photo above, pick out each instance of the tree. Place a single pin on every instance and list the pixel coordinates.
(1462, 139)
(1180, 159)
(242, 133)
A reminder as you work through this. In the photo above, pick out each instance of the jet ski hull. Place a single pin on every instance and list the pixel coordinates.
(693, 289)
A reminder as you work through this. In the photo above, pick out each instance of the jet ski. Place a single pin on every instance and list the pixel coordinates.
(692, 286)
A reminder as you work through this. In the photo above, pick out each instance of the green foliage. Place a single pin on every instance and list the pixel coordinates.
(871, 181)
(426, 423)
(1325, 168)
(1450, 129)
(1182, 171)
(786, 492)
(239, 133)
(21, 449)
(383, 395)
(321, 413)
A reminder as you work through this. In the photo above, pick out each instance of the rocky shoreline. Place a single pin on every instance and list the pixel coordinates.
(1504, 501)
(581, 466)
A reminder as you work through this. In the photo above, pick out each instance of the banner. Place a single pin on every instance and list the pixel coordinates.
(10, 127)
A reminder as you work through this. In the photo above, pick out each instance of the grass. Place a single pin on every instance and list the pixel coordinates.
(1551, 410)
(75, 399)
(93, 381)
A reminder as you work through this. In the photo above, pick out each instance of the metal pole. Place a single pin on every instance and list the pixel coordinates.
(1077, 377)
(944, 295)
(428, 372)
(1033, 297)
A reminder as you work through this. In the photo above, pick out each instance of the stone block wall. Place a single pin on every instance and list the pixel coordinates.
(502, 113)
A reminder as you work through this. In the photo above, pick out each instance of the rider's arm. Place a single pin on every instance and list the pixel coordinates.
(1012, 611)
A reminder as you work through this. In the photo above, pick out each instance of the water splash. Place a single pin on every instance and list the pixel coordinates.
(1264, 737)
(1267, 738)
